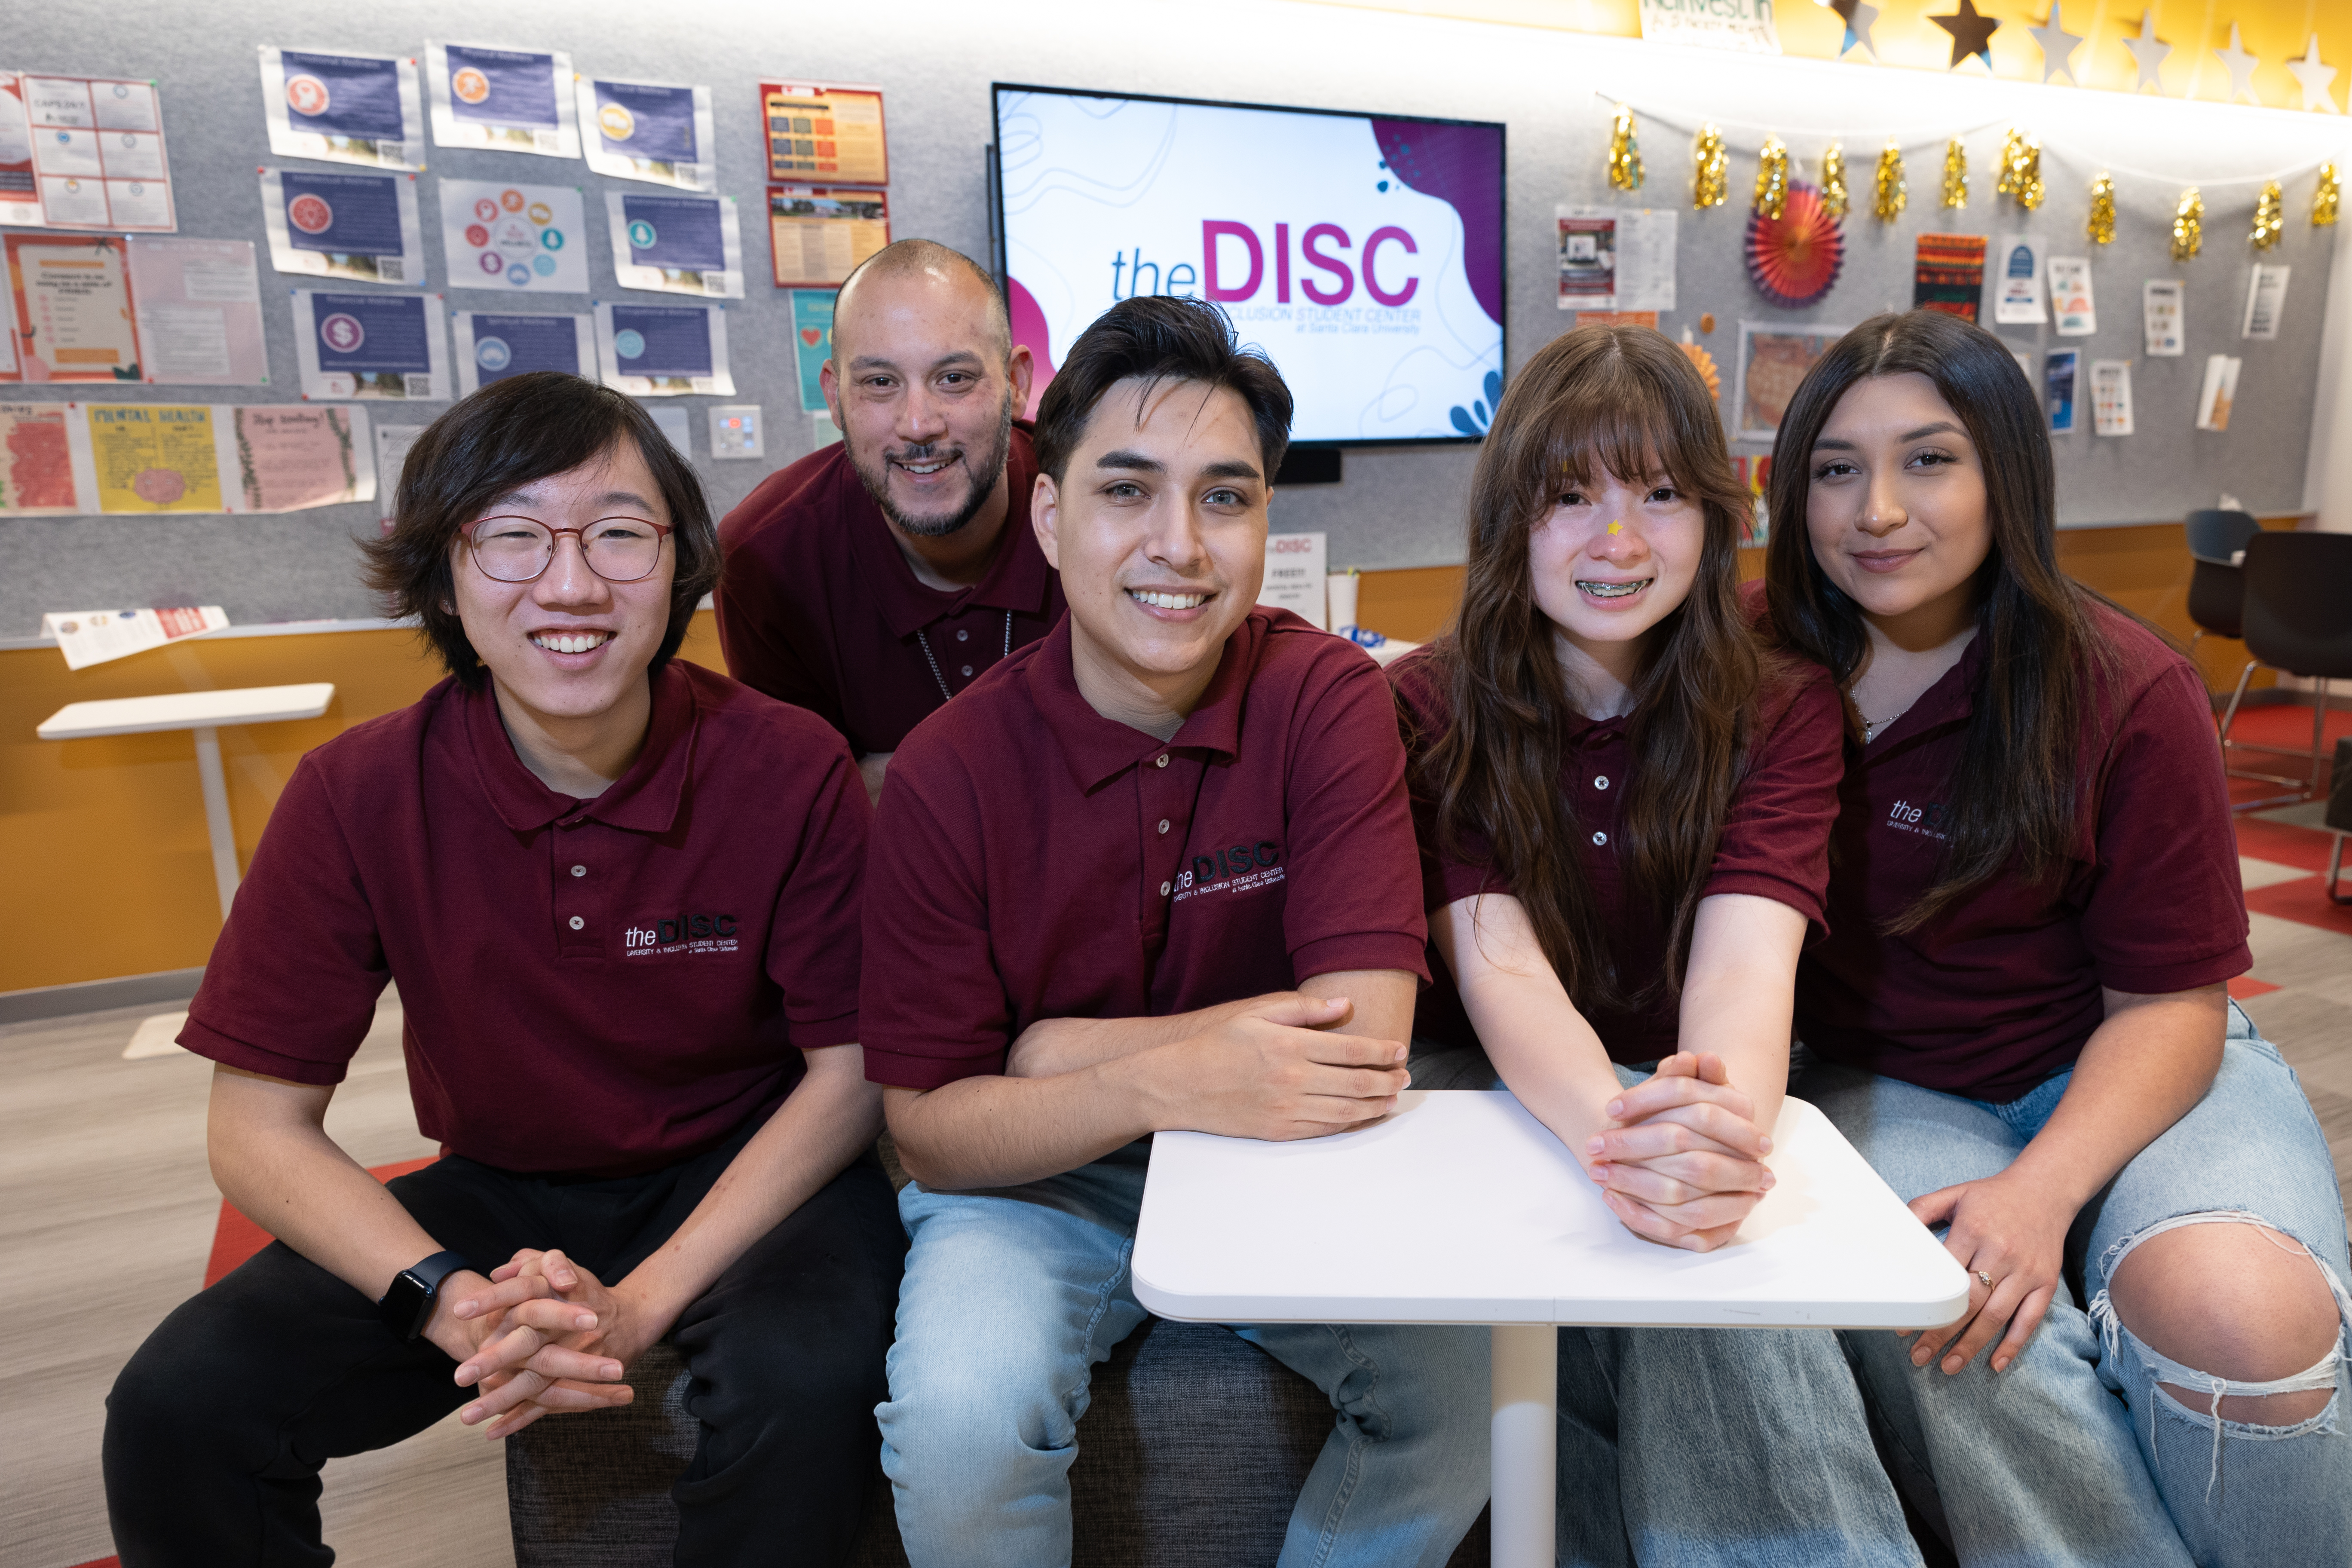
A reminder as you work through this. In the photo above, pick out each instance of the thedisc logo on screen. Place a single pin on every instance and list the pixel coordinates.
(1229, 250)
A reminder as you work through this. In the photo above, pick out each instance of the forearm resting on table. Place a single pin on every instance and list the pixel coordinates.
(1381, 1008)
(2144, 1068)
(995, 1131)
(1739, 993)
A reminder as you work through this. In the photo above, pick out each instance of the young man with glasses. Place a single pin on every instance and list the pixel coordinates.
(619, 896)
(874, 580)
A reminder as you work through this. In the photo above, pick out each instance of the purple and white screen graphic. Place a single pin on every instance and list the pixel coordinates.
(1364, 255)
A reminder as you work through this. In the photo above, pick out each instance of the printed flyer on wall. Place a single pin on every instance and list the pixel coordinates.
(36, 470)
(811, 342)
(663, 351)
(98, 151)
(2017, 299)
(498, 236)
(141, 458)
(2219, 392)
(818, 234)
(294, 457)
(20, 195)
(492, 346)
(649, 130)
(2058, 387)
(1616, 259)
(2265, 302)
(342, 109)
(95, 637)
(677, 245)
(2161, 302)
(198, 305)
(2111, 396)
(391, 445)
(503, 100)
(71, 307)
(2070, 296)
(1774, 361)
(360, 229)
(371, 345)
(822, 132)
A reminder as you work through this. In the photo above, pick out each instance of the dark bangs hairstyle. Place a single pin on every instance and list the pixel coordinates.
(2011, 799)
(510, 433)
(1626, 400)
(1154, 338)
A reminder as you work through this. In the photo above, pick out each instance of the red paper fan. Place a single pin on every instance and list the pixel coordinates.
(1793, 259)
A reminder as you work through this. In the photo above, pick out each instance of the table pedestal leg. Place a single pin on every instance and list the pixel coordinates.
(1526, 1436)
(218, 826)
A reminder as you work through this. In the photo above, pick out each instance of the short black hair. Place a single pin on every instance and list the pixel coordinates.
(1155, 338)
(510, 433)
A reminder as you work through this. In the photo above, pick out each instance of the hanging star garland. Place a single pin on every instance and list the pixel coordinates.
(2149, 52)
(1858, 17)
(2058, 46)
(2241, 68)
(1971, 34)
(2315, 79)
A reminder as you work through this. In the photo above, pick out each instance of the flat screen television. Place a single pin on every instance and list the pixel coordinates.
(1362, 252)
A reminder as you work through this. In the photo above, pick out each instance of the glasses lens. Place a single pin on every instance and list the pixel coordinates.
(512, 549)
(622, 549)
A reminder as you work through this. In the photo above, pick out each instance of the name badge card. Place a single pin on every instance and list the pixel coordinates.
(343, 109)
(646, 131)
(677, 245)
(359, 229)
(503, 100)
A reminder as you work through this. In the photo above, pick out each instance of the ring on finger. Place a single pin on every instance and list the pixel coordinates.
(1984, 1279)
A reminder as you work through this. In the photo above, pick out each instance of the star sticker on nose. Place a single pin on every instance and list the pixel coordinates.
(2315, 78)
(1971, 34)
(2241, 68)
(2058, 46)
(2150, 51)
(1616, 528)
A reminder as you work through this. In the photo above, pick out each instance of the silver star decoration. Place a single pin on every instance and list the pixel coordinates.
(2149, 52)
(2058, 46)
(2241, 68)
(2315, 79)
(1859, 16)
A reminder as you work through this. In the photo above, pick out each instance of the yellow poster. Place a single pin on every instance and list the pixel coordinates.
(154, 456)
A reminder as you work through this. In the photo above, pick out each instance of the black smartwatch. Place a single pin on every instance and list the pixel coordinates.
(407, 1306)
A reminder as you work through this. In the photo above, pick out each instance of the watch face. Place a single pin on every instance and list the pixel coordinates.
(405, 1305)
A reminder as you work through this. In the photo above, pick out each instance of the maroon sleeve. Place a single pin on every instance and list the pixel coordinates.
(1775, 840)
(2165, 911)
(813, 936)
(1352, 892)
(1425, 714)
(933, 1008)
(289, 990)
(767, 639)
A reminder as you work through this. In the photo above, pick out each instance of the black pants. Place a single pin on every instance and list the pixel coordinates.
(218, 1428)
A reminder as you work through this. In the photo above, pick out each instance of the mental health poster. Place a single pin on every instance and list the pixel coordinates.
(148, 457)
(358, 228)
(97, 152)
(675, 245)
(663, 351)
(197, 304)
(343, 109)
(508, 237)
(650, 131)
(71, 307)
(388, 346)
(503, 100)
(493, 345)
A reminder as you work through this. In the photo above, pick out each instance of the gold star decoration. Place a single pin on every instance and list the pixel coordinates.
(1971, 34)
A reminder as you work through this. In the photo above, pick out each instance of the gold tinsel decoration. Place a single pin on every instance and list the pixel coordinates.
(1956, 174)
(2188, 224)
(2101, 226)
(2269, 217)
(1834, 193)
(1773, 178)
(1625, 153)
(2020, 170)
(2324, 199)
(1711, 168)
(1891, 192)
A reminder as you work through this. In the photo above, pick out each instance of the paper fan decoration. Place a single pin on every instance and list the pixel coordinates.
(1707, 371)
(1792, 259)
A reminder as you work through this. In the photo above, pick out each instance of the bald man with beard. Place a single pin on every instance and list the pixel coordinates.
(874, 580)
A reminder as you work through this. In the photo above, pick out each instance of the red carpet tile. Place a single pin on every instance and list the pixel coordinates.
(2289, 723)
(2301, 900)
(236, 1238)
(104, 1563)
(2245, 988)
(2283, 844)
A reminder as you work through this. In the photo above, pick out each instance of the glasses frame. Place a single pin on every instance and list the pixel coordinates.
(662, 530)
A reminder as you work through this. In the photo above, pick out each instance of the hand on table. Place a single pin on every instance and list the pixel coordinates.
(1279, 1068)
(2002, 1232)
(1682, 1166)
(553, 1338)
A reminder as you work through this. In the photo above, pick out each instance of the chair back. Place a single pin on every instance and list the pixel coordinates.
(2217, 536)
(2217, 597)
(2298, 608)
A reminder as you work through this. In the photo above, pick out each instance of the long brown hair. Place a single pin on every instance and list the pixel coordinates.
(1624, 399)
(2012, 796)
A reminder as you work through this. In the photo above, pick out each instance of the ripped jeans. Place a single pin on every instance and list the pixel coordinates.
(2074, 1454)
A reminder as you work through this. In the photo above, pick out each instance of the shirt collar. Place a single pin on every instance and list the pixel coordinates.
(1949, 702)
(645, 799)
(1096, 749)
(1018, 580)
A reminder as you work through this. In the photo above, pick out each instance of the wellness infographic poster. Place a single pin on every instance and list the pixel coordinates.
(649, 131)
(1363, 255)
(677, 245)
(493, 345)
(663, 351)
(371, 346)
(504, 236)
(362, 228)
(343, 109)
(502, 101)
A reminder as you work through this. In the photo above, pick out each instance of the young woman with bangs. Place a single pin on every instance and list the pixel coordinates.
(2020, 1017)
(1623, 814)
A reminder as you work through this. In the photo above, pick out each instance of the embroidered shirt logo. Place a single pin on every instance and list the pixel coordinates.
(1231, 869)
(681, 933)
(1926, 821)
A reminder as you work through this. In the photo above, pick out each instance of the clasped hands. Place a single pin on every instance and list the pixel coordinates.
(542, 1336)
(1682, 1163)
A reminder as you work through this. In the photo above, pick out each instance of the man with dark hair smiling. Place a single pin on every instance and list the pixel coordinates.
(1156, 872)
(873, 580)
(619, 895)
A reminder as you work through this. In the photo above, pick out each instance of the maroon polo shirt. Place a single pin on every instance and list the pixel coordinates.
(1033, 859)
(1775, 841)
(2001, 989)
(818, 608)
(598, 986)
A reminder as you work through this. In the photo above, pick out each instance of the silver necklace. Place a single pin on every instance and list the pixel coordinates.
(945, 695)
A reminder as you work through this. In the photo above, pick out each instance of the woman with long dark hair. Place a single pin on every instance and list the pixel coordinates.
(1624, 815)
(2019, 1015)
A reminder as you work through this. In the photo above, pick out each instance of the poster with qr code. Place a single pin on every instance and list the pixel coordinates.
(663, 351)
(343, 109)
(503, 100)
(675, 245)
(355, 228)
(392, 347)
(650, 131)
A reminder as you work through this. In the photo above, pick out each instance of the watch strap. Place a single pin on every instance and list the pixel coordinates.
(408, 1306)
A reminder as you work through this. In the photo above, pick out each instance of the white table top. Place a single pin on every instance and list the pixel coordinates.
(187, 711)
(1463, 1209)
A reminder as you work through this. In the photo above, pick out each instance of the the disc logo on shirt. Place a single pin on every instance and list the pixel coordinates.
(1926, 821)
(1231, 869)
(681, 933)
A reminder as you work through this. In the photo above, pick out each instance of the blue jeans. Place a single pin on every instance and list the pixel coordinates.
(2074, 1454)
(1009, 1301)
